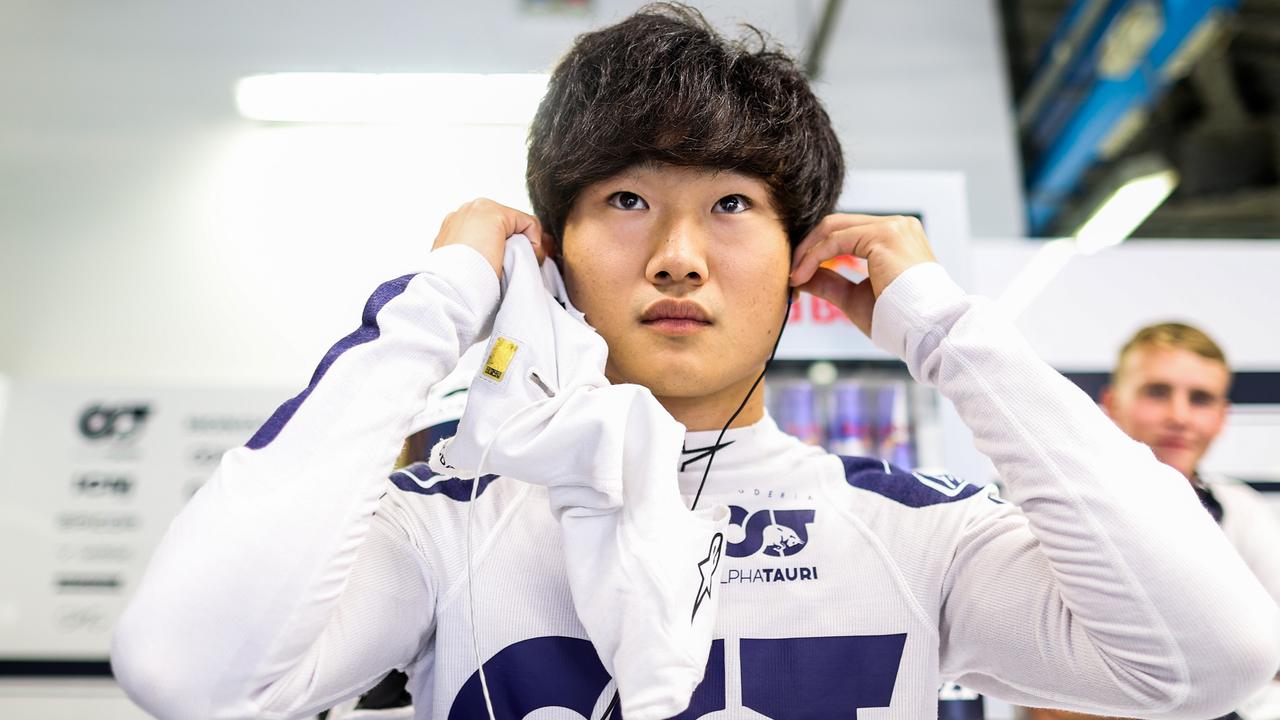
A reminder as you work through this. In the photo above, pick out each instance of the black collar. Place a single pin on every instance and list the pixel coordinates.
(699, 453)
(1207, 499)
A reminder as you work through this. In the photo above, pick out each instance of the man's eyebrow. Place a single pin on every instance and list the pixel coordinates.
(632, 174)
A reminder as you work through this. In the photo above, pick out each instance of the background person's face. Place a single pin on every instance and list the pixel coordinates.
(1172, 400)
(708, 239)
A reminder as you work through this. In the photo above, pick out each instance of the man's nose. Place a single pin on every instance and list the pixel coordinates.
(680, 255)
(1179, 410)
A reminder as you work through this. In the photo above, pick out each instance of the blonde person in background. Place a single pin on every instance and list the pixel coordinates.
(1169, 390)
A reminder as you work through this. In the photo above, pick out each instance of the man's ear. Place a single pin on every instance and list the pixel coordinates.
(1106, 400)
(550, 246)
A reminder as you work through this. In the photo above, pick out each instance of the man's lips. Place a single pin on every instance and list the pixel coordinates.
(671, 326)
(1173, 443)
(672, 309)
(676, 317)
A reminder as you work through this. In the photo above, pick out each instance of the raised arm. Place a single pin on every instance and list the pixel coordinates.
(1108, 589)
(277, 591)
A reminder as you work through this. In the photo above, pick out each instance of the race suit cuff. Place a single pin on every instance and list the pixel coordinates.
(470, 275)
(919, 300)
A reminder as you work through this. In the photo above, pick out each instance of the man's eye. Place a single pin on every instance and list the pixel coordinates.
(1203, 399)
(732, 204)
(1158, 392)
(627, 201)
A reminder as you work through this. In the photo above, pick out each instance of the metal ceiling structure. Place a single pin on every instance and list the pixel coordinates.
(1099, 83)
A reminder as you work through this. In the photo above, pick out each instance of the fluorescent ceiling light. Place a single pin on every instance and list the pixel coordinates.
(1124, 210)
(435, 98)
(1150, 181)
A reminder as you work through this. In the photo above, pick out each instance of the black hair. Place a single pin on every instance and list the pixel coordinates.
(662, 86)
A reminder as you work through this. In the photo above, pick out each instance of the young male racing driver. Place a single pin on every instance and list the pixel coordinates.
(684, 184)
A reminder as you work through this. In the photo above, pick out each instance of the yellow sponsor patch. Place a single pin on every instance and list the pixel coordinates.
(499, 358)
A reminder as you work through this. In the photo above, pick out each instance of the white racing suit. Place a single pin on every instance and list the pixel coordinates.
(298, 576)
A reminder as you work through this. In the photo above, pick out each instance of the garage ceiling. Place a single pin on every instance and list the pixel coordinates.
(1219, 126)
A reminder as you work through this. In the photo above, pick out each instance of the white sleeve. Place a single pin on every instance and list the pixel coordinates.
(270, 595)
(1108, 589)
(1255, 532)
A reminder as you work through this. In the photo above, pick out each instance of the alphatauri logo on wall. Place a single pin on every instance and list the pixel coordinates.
(113, 422)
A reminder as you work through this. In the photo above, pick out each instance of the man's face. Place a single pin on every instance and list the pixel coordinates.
(683, 271)
(1172, 400)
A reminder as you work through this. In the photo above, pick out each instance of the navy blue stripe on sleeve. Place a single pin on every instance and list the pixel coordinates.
(913, 489)
(418, 478)
(367, 332)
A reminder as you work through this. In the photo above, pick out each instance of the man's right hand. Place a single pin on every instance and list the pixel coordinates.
(485, 225)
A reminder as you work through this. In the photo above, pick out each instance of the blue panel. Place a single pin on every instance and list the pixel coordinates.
(1086, 109)
(709, 696)
(538, 673)
(820, 678)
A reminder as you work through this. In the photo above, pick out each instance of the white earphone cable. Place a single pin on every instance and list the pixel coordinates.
(471, 598)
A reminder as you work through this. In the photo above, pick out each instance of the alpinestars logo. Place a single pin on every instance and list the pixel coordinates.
(772, 533)
(707, 569)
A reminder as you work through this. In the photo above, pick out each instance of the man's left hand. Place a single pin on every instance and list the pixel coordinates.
(890, 245)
